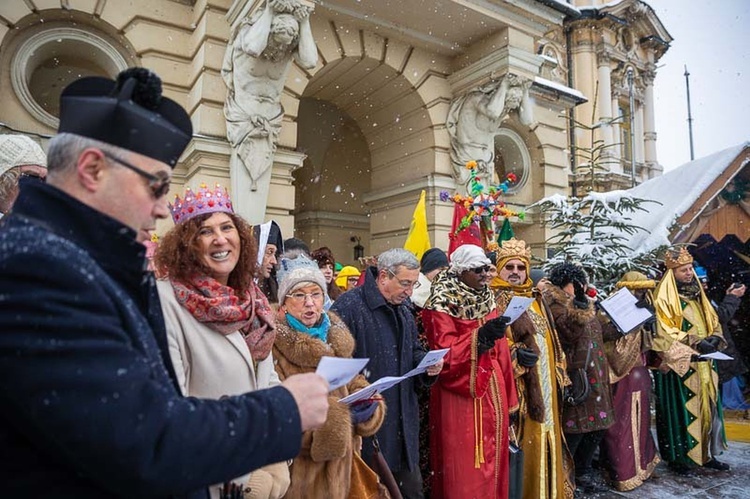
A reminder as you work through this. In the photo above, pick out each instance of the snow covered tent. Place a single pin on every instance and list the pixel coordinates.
(706, 196)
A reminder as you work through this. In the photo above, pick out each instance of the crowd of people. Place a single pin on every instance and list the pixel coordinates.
(198, 378)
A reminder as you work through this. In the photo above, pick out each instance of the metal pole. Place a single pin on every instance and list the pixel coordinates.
(632, 132)
(690, 116)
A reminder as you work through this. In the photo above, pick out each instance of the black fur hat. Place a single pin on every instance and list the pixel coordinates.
(563, 273)
(130, 113)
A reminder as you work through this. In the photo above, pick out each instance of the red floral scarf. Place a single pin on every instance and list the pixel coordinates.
(218, 307)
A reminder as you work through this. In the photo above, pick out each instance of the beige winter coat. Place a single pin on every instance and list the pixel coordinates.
(211, 365)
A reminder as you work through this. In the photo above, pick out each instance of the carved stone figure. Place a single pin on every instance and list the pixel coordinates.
(255, 67)
(475, 117)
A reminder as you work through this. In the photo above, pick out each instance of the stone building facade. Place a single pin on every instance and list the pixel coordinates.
(366, 129)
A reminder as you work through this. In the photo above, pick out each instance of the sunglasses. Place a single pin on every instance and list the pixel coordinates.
(479, 270)
(159, 185)
(510, 267)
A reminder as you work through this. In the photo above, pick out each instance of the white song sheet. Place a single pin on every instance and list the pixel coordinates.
(620, 307)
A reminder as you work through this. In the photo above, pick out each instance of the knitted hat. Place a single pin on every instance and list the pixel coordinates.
(295, 273)
(345, 273)
(433, 258)
(19, 150)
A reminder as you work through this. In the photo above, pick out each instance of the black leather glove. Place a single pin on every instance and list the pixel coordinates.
(705, 346)
(643, 303)
(490, 332)
(650, 325)
(526, 357)
(580, 292)
(714, 341)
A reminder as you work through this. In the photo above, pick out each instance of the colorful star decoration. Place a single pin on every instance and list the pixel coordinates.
(484, 204)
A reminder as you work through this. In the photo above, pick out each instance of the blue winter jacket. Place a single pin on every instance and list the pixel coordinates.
(90, 407)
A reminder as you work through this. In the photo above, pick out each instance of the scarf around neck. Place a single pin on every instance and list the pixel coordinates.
(320, 331)
(218, 307)
(451, 296)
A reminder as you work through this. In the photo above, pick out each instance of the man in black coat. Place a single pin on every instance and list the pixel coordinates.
(378, 316)
(91, 408)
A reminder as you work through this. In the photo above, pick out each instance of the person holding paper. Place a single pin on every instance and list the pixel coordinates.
(378, 315)
(689, 413)
(471, 402)
(628, 448)
(306, 333)
(539, 370)
(220, 326)
(580, 333)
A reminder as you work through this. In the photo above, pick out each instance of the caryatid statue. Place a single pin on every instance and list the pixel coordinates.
(256, 64)
(475, 117)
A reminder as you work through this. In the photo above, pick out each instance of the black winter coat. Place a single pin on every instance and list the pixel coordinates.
(90, 406)
(728, 369)
(387, 335)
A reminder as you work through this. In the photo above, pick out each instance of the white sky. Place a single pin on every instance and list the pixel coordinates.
(711, 37)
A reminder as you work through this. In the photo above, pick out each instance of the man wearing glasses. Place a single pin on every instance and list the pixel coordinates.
(378, 316)
(91, 406)
(475, 393)
(539, 368)
(20, 158)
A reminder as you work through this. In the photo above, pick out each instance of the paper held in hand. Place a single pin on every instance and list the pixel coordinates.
(516, 307)
(338, 371)
(386, 382)
(716, 356)
(621, 309)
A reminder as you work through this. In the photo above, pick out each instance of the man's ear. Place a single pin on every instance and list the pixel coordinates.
(89, 169)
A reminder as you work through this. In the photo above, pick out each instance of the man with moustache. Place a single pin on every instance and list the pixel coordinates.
(689, 414)
(539, 368)
(471, 402)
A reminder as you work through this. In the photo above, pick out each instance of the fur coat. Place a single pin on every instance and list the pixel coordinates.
(581, 336)
(323, 467)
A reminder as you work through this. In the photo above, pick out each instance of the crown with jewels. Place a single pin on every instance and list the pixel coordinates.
(513, 248)
(674, 258)
(200, 202)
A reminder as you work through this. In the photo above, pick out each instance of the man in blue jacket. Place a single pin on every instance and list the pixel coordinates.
(378, 316)
(90, 404)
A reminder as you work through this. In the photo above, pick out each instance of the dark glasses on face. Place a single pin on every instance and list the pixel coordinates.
(479, 270)
(159, 185)
(510, 267)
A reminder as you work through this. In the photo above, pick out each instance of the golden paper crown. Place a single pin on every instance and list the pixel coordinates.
(513, 248)
(674, 258)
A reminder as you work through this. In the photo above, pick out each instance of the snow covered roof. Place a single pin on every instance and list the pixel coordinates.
(678, 190)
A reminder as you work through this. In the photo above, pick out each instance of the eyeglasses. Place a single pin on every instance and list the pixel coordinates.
(510, 267)
(159, 184)
(34, 176)
(315, 296)
(479, 270)
(405, 284)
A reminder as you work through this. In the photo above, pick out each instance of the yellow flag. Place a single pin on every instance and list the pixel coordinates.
(418, 240)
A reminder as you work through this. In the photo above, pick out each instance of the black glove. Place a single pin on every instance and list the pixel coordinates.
(490, 332)
(714, 341)
(697, 358)
(526, 357)
(363, 411)
(650, 325)
(705, 346)
(580, 292)
(643, 303)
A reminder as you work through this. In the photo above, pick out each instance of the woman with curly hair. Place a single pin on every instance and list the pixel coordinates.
(220, 326)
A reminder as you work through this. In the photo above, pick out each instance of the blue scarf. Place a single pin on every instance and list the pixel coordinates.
(320, 331)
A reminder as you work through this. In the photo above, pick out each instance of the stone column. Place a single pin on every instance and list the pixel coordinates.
(638, 129)
(649, 125)
(604, 101)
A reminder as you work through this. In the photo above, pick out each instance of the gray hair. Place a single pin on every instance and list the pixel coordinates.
(394, 258)
(64, 149)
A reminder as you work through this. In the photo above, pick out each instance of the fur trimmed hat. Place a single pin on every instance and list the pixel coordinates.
(19, 150)
(564, 273)
(294, 273)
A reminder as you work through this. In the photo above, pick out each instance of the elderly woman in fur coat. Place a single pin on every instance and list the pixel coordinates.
(581, 337)
(305, 333)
